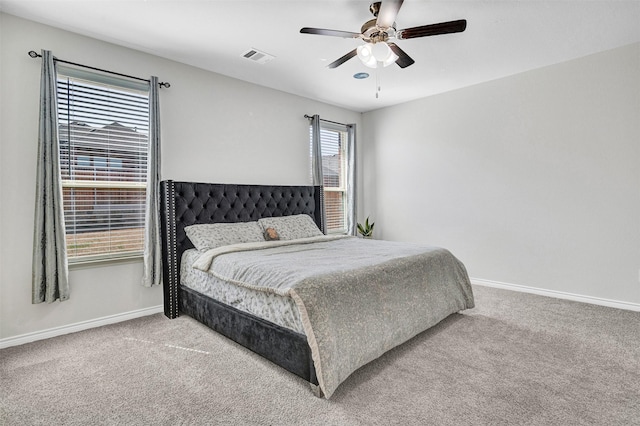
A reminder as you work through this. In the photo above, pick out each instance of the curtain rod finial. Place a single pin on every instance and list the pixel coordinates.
(34, 54)
(164, 84)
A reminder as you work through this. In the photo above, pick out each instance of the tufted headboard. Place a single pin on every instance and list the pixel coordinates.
(188, 203)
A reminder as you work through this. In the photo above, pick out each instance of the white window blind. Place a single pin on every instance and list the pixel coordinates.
(332, 144)
(103, 129)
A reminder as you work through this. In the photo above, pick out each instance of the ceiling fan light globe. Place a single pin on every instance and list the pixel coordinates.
(381, 51)
(390, 60)
(366, 56)
(371, 62)
(364, 50)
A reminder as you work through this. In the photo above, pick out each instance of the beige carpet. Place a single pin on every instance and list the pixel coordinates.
(516, 359)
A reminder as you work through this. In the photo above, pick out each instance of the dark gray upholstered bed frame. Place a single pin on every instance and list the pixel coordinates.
(188, 203)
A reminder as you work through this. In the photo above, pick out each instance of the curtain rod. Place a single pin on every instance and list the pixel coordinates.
(34, 55)
(326, 121)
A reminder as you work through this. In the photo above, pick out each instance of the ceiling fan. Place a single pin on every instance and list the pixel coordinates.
(377, 32)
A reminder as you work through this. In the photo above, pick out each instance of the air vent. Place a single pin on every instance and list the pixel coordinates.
(257, 56)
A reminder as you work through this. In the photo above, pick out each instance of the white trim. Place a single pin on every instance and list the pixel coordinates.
(79, 326)
(559, 294)
(112, 319)
(96, 76)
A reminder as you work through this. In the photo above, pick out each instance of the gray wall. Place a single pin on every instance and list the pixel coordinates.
(531, 180)
(214, 129)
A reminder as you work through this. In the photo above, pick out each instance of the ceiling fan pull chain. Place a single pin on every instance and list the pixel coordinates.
(377, 82)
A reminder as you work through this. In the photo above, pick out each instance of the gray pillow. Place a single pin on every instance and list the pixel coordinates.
(292, 227)
(212, 235)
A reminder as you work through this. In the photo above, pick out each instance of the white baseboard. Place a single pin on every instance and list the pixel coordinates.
(112, 319)
(559, 294)
(79, 326)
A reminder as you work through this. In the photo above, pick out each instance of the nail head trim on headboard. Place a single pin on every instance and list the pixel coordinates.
(189, 203)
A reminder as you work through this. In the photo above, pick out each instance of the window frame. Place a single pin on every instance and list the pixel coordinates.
(119, 84)
(343, 132)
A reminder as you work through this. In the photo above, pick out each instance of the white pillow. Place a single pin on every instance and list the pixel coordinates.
(292, 227)
(212, 235)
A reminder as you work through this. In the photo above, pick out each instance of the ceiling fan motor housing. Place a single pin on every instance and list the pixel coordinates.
(374, 34)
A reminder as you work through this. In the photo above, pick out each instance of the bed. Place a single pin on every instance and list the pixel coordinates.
(330, 316)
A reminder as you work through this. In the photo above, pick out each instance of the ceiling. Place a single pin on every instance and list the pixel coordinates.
(502, 38)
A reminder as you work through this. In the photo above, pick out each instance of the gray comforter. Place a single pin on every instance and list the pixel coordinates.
(357, 298)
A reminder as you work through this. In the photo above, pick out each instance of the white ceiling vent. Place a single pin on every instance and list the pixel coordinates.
(257, 56)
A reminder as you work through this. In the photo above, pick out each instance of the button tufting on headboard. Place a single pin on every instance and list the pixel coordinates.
(188, 203)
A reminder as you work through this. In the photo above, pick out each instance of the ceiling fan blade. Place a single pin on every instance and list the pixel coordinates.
(433, 29)
(388, 12)
(332, 33)
(403, 60)
(343, 59)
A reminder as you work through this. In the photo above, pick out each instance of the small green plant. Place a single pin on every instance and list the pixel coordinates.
(367, 229)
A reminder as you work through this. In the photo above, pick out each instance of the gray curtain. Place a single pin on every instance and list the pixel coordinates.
(152, 274)
(316, 164)
(50, 274)
(351, 180)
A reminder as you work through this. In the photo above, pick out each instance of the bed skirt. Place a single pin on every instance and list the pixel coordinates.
(280, 345)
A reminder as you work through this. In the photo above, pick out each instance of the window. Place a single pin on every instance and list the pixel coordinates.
(333, 139)
(103, 127)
